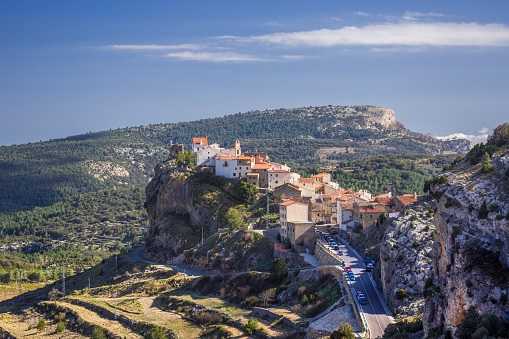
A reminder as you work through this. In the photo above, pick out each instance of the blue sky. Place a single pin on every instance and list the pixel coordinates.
(69, 67)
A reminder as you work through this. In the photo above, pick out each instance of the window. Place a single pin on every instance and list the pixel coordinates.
(225, 164)
(234, 174)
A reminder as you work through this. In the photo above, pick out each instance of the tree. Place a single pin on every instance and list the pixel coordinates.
(279, 269)
(186, 158)
(487, 165)
(235, 219)
(345, 331)
(247, 191)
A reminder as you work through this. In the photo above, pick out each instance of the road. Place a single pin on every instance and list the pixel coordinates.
(376, 312)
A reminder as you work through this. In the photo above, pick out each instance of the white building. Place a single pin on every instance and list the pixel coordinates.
(292, 211)
(233, 167)
(278, 177)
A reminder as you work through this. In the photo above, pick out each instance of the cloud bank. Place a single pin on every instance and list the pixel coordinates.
(391, 34)
(214, 56)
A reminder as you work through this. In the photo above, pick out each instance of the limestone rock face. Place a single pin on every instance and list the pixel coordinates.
(406, 260)
(178, 212)
(471, 248)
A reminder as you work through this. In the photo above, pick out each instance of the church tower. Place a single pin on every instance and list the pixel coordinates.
(238, 152)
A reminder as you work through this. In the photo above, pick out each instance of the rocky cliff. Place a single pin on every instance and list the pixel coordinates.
(405, 260)
(182, 206)
(471, 249)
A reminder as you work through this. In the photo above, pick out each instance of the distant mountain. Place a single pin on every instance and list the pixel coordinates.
(39, 174)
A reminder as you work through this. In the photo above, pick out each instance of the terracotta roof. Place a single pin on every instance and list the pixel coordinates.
(383, 199)
(261, 166)
(372, 209)
(406, 199)
(233, 157)
(201, 140)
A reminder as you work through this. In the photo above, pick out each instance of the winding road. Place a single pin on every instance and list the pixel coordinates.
(377, 314)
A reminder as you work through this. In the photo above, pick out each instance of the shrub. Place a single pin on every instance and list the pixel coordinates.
(5, 278)
(279, 270)
(60, 326)
(251, 326)
(41, 325)
(400, 294)
(34, 276)
(406, 327)
(235, 219)
(345, 331)
(156, 332)
(487, 165)
(483, 211)
(98, 333)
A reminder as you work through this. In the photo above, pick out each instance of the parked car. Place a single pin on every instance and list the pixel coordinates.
(369, 267)
(361, 297)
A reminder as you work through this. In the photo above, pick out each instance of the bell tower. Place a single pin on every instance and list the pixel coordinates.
(238, 151)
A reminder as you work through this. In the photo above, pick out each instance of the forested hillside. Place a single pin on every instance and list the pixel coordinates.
(82, 196)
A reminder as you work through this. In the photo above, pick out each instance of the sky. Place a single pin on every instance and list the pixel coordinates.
(70, 67)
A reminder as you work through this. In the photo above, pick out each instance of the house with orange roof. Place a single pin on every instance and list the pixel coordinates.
(404, 200)
(367, 214)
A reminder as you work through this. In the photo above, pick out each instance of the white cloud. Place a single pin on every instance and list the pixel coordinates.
(152, 47)
(293, 56)
(361, 13)
(391, 34)
(204, 56)
(416, 16)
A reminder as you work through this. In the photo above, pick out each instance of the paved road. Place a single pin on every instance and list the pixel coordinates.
(376, 312)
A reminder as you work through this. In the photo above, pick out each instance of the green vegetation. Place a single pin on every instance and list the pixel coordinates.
(76, 233)
(404, 328)
(279, 270)
(345, 331)
(235, 219)
(487, 165)
(186, 158)
(98, 333)
(475, 326)
(156, 332)
(382, 174)
(41, 325)
(60, 326)
(252, 326)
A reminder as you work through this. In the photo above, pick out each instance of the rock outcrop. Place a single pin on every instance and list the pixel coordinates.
(471, 250)
(405, 260)
(182, 207)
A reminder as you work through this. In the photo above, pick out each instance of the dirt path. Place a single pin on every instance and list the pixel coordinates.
(94, 318)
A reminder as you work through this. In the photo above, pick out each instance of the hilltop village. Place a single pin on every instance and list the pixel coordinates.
(304, 202)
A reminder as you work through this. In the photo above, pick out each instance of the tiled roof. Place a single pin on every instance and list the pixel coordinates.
(383, 199)
(201, 140)
(261, 166)
(372, 209)
(232, 157)
(406, 199)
